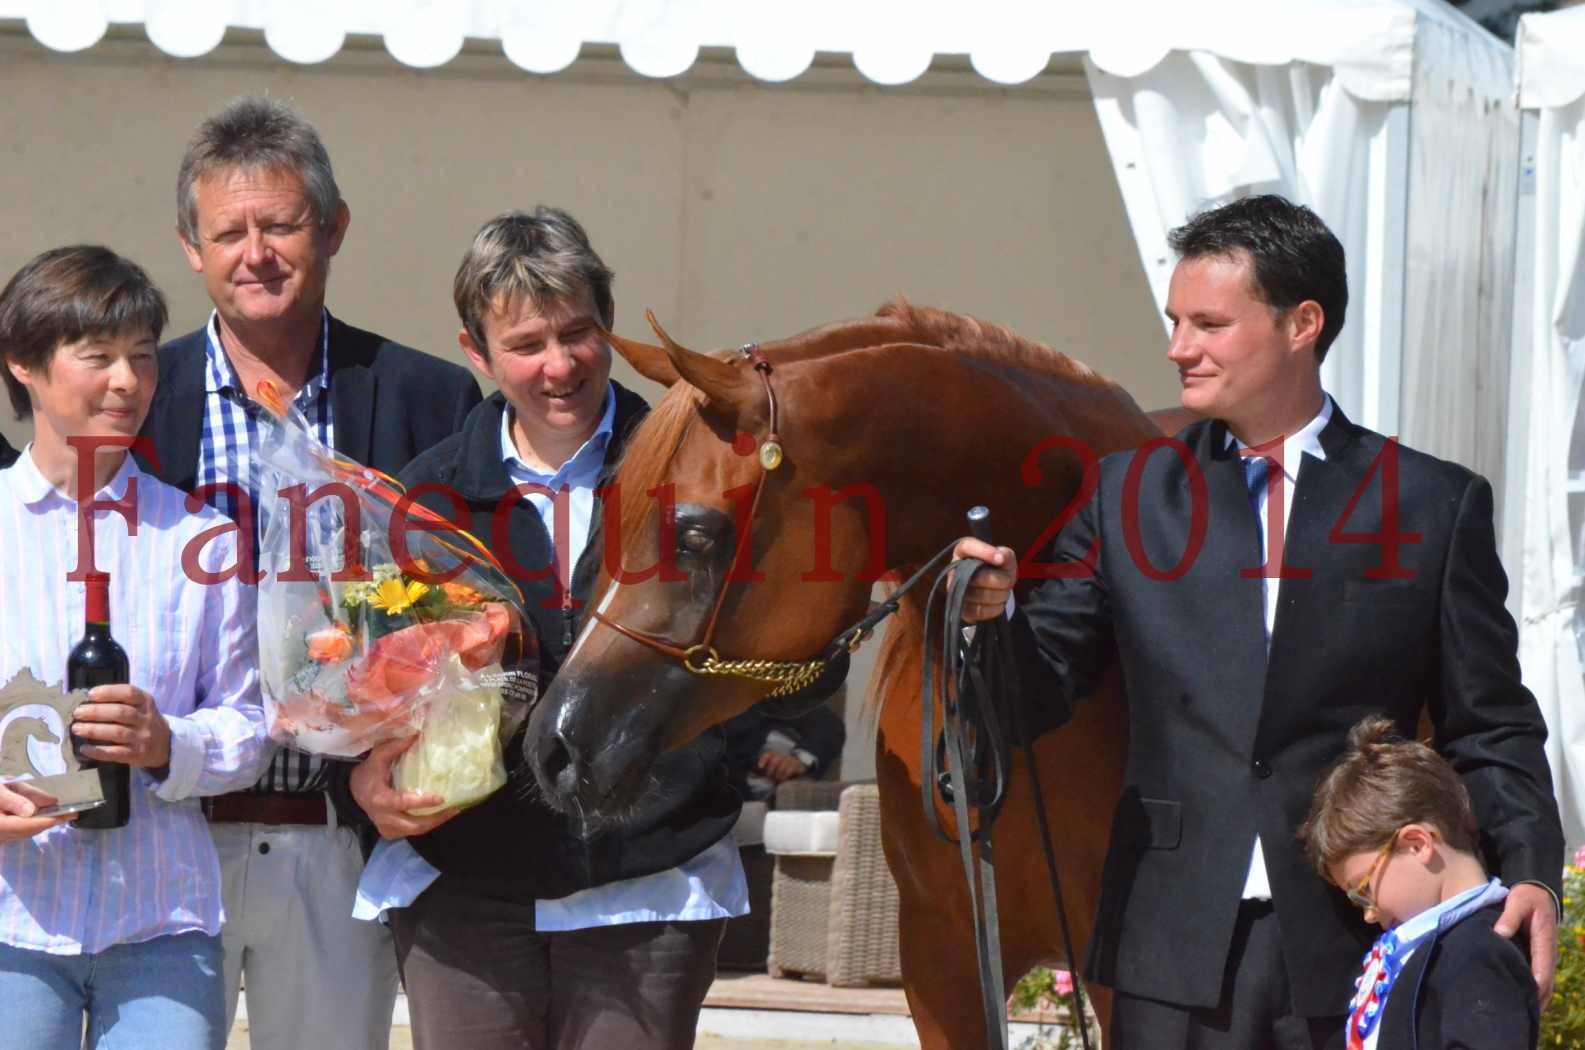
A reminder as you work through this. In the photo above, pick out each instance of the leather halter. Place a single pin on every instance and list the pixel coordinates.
(701, 658)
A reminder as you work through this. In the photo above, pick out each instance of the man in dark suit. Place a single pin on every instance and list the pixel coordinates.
(8, 455)
(259, 217)
(1266, 583)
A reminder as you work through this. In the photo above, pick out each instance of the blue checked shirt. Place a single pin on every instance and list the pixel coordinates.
(231, 430)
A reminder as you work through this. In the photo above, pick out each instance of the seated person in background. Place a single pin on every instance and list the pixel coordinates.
(1392, 826)
(111, 937)
(763, 750)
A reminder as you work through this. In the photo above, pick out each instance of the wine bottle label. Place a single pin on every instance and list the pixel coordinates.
(36, 744)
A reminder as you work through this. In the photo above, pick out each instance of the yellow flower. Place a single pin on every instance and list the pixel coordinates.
(393, 596)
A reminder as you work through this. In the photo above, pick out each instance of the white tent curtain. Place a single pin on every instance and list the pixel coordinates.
(1552, 501)
(1458, 287)
(1428, 241)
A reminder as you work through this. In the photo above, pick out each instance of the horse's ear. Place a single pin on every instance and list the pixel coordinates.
(723, 386)
(651, 362)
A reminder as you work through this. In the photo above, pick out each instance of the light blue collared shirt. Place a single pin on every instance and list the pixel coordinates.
(710, 885)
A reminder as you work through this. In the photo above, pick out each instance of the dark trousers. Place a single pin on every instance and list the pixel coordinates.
(479, 977)
(1256, 1011)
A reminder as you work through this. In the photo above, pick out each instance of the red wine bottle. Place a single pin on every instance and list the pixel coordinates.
(98, 660)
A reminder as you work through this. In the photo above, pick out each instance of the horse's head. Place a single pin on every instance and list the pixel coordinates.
(718, 541)
(766, 493)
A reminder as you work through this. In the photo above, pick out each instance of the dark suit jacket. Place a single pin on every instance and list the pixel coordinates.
(8, 455)
(1226, 742)
(1469, 989)
(389, 402)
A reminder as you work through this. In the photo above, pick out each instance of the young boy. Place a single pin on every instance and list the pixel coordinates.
(111, 937)
(1391, 825)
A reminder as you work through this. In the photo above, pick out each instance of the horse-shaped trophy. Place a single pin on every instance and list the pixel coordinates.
(839, 456)
(36, 746)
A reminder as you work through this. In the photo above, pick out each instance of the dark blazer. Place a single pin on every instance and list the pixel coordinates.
(1468, 989)
(513, 845)
(389, 402)
(1226, 741)
(8, 455)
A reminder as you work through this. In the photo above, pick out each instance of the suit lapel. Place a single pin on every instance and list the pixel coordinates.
(1232, 544)
(1232, 637)
(176, 419)
(352, 391)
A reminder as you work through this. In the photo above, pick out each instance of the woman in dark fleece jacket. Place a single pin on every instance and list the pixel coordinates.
(516, 926)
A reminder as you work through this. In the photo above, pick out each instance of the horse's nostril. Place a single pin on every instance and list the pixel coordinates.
(556, 757)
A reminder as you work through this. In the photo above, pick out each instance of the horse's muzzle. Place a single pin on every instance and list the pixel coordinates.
(588, 764)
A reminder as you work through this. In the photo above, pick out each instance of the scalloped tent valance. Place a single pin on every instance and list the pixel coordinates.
(1370, 44)
(1551, 62)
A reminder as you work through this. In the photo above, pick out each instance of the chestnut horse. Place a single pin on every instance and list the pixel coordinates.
(891, 428)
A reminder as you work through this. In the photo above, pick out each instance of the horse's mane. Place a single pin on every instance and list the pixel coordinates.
(897, 323)
(969, 335)
(650, 452)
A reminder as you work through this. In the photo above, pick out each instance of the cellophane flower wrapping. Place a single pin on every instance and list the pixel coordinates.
(458, 753)
(368, 634)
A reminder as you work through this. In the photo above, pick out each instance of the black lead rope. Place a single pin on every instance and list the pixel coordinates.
(976, 684)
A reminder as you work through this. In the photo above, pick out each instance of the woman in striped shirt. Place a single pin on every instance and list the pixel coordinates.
(118, 928)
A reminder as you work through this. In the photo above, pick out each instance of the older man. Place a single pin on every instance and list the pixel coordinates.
(259, 216)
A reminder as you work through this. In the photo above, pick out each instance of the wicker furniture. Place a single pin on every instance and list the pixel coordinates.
(833, 901)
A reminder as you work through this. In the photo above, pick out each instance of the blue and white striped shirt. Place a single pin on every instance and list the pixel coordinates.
(191, 646)
(230, 433)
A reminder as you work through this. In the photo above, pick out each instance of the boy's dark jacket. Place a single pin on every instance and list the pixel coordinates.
(513, 845)
(1468, 989)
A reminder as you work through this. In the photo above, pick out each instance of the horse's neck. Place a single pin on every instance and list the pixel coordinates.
(964, 432)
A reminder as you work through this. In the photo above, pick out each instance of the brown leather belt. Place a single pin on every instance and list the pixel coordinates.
(266, 809)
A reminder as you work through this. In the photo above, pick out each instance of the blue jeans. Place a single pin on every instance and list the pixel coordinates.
(166, 993)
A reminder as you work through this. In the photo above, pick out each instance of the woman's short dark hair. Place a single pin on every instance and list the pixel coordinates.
(1293, 257)
(67, 294)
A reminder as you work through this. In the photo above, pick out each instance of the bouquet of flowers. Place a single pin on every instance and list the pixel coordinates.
(378, 619)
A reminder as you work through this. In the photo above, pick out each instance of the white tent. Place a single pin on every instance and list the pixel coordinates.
(1548, 449)
(1352, 106)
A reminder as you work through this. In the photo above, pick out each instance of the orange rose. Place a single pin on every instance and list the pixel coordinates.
(330, 645)
(461, 594)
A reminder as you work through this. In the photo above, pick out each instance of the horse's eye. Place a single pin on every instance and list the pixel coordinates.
(695, 541)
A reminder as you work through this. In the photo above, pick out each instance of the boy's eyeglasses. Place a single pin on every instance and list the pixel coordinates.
(1361, 896)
